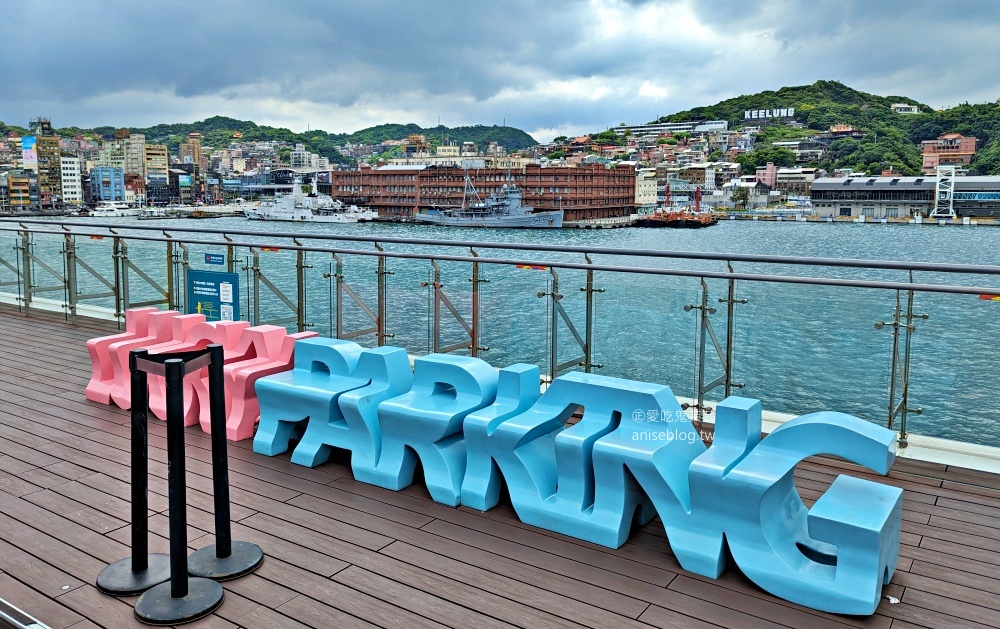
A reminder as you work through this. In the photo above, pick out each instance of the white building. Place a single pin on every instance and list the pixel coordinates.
(667, 128)
(300, 157)
(645, 190)
(72, 189)
(905, 108)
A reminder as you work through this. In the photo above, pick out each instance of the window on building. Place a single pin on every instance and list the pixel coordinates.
(845, 211)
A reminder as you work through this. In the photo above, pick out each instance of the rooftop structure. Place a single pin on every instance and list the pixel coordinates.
(667, 128)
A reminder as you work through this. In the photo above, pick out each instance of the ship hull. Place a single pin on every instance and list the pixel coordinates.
(536, 220)
(256, 215)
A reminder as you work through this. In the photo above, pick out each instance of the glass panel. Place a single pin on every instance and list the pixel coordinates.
(95, 274)
(10, 267)
(954, 358)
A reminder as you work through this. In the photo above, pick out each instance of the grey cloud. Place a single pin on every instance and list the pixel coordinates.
(231, 57)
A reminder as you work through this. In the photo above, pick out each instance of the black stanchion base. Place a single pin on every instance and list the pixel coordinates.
(245, 558)
(119, 580)
(157, 607)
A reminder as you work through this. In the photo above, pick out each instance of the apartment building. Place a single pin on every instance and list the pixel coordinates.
(49, 172)
(70, 179)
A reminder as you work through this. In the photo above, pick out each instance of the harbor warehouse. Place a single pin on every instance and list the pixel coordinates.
(892, 197)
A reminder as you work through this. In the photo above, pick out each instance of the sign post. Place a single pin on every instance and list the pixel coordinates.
(214, 294)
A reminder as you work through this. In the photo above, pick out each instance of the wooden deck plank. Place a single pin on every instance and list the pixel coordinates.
(342, 553)
(43, 608)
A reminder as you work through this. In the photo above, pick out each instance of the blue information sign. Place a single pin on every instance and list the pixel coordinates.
(214, 294)
(215, 258)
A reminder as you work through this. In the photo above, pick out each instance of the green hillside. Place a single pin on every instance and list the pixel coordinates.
(218, 132)
(892, 139)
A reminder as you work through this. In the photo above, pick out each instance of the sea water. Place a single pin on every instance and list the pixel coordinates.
(798, 348)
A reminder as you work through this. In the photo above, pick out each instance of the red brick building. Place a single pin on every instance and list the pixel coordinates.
(592, 191)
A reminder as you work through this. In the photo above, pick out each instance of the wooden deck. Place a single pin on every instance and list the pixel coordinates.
(346, 554)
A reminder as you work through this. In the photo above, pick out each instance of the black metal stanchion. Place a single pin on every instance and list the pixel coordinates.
(225, 559)
(183, 599)
(136, 574)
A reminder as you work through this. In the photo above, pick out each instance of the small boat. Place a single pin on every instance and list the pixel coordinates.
(151, 213)
(113, 209)
(503, 209)
(678, 218)
(311, 208)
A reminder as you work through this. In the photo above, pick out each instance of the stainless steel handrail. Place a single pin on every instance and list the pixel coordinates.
(696, 273)
(893, 265)
(13, 618)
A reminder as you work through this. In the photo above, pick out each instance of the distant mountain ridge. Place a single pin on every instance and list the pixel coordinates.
(218, 132)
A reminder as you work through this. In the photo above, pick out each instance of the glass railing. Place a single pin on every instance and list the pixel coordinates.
(800, 334)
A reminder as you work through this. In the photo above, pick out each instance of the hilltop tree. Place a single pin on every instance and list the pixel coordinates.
(763, 153)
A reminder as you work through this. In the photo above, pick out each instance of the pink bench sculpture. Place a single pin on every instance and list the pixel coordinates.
(159, 329)
(198, 336)
(102, 373)
(262, 350)
(250, 353)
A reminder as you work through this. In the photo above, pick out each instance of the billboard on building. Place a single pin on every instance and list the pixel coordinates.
(184, 181)
(29, 153)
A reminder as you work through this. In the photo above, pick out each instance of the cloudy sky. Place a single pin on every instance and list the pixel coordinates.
(553, 67)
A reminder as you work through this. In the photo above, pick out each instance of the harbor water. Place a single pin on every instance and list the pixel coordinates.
(798, 348)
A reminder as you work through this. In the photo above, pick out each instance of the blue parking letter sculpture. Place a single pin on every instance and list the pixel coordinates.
(352, 423)
(427, 423)
(308, 392)
(633, 454)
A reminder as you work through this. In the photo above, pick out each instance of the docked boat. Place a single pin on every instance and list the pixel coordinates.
(115, 209)
(309, 208)
(503, 209)
(678, 219)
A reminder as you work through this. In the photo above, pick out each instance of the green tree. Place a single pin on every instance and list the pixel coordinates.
(741, 197)
(763, 153)
(556, 155)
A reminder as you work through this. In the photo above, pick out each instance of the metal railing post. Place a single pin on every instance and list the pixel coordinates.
(255, 269)
(436, 313)
(474, 345)
(588, 350)
(71, 280)
(730, 300)
(171, 280)
(380, 322)
(123, 260)
(910, 330)
(181, 265)
(339, 278)
(119, 291)
(702, 334)
(26, 273)
(900, 366)
(300, 279)
(230, 255)
(554, 296)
